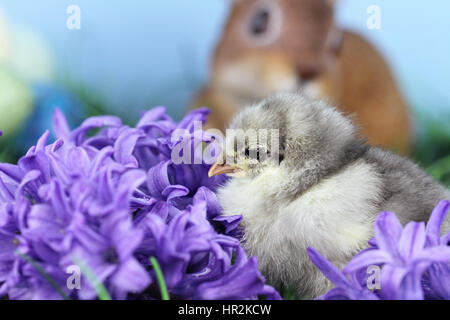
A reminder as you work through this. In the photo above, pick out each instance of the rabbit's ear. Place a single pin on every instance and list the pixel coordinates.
(332, 2)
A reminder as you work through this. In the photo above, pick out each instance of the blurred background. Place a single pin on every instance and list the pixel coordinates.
(133, 55)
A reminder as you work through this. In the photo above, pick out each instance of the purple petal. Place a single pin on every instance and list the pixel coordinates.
(42, 222)
(78, 135)
(131, 276)
(411, 288)
(128, 183)
(231, 223)
(159, 184)
(78, 160)
(439, 278)
(328, 269)
(7, 248)
(12, 171)
(434, 254)
(27, 179)
(391, 280)
(367, 258)
(412, 239)
(200, 114)
(213, 207)
(337, 294)
(5, 193)
(175, 191)
(343, 294)
(445, 240)
(158, 179)
(100, 159)
(156, 226)
(60, 127)
(124, 147)
(126, 238)
(434, 224)
(237, 283)
(42, 142)
(388, 230)
(151, 116)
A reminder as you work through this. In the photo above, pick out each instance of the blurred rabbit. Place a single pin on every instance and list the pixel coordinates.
(270, 46)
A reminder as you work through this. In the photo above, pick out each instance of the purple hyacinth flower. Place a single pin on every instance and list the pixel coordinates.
(110, 201)
(241, 281)
(346, 289)
(175, 243)
(414, 261)
(437, 276)
(404, 257)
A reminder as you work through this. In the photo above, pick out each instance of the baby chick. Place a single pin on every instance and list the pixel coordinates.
(312, 182)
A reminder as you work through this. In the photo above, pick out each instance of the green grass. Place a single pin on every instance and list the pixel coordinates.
(288, 293)
(8, 151)
(440, 170)
(432, 150)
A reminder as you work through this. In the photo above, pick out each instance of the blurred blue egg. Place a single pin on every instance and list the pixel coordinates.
(46, 99)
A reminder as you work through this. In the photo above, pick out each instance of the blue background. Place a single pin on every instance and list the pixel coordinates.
(136, 54)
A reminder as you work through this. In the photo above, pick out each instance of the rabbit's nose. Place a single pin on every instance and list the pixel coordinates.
(308, 73)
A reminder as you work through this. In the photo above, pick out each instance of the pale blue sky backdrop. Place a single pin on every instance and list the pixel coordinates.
(137, 53)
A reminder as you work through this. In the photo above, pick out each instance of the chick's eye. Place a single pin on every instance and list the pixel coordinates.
(259, 23)
(254, 154)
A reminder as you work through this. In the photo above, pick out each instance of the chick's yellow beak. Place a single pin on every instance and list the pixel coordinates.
(218, 169)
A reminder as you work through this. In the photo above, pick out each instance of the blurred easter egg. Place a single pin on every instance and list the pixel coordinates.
(15, 102)
(30, 56)
(46, 99)
(4, 45)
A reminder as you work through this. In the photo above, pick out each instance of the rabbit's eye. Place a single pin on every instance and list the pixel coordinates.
(260, 22)
(263, 25)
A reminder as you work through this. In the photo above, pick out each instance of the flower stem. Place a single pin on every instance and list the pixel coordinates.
(100, 289)
(46, 276)
(160, 278)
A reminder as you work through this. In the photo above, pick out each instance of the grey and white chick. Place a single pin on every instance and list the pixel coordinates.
(324, 190)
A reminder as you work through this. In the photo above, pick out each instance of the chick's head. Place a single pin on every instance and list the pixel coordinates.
(289, 132)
